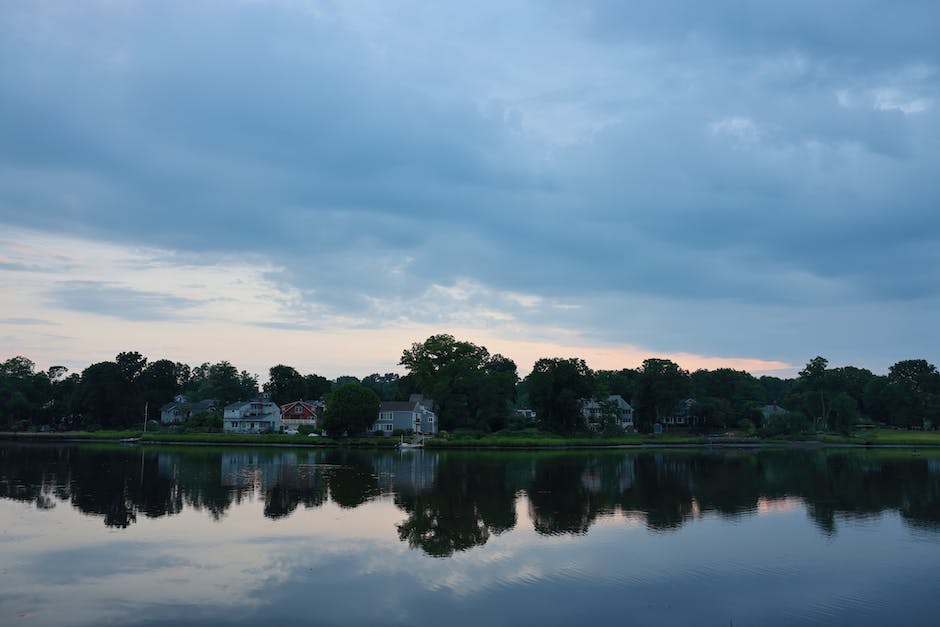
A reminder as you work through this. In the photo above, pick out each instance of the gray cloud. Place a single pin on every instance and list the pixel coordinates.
(26, 321)
(727, 161)
(117, 301)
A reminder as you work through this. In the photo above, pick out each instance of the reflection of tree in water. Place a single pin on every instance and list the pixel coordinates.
(560, 496)
(35, 473)
(351, 478)
(662, 491)
(299, 482)
(730, 484)
(458, 500)
(467, 501)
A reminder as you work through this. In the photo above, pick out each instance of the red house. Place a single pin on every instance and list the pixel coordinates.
(301, 413)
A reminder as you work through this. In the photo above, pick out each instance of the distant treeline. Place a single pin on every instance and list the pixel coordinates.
(473, 389)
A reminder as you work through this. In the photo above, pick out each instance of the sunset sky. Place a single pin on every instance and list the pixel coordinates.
(320, 184)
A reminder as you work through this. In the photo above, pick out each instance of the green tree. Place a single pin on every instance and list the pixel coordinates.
(470, 387)
(159, 383)
(814, 389)
(621, 382)
(556, 388)
(285, 384)
(384, 385)
(222, 382)
(350, 409)
(103, 398)
(661, 385)
(725, 396)
(23, 392)
(843, 413)
(315, 387)
(913, 390)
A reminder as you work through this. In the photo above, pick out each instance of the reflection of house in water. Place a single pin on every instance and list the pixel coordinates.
(617, 477)
(933, 466)
(264, 470)
(406, 472)
(168, 465)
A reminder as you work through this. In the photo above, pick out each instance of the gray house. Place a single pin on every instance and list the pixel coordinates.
(592, 410)
(416, 414)
(257, 416)
(181, 410)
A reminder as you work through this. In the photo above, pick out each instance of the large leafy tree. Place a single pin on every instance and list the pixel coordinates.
(350, 409)
(661, 385)
(470, 387)
(159, 382)
(620, 382)
(384, 385)
(818, 388)
(284, 384)
(913, 391)
(315, 386)
(556, 388)
(223, 382)
(23, 391)
(726, 396)
(814, 389)
(103, 397)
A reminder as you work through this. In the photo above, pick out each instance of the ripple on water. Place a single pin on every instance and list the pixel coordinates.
(834, 609)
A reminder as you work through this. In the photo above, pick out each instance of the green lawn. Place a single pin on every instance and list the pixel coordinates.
(530, 438)
(896, 437)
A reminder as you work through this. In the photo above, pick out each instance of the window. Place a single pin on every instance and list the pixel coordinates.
(388, 427)
(298, 409)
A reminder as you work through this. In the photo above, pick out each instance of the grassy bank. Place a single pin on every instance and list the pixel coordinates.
(548, 440)
(270, 439)
(885, 437)
(507, 439)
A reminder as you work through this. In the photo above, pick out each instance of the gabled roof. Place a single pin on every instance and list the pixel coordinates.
(204, 405)
(397, 406)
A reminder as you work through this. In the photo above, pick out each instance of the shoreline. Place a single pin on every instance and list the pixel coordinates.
(680, 442)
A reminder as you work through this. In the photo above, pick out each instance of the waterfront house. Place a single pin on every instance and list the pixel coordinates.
(772, 410)
(181, 410)
(257, 416)
(683, 415)
(300, 413)
(416, 414)
(594, 411)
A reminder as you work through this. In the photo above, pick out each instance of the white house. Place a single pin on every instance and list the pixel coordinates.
(594, 410)
(257, 416)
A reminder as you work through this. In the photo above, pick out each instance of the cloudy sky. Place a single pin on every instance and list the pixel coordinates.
(323, 183)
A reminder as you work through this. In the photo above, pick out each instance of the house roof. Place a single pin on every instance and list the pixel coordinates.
(592, 403)
(208, 403)
(397, 406)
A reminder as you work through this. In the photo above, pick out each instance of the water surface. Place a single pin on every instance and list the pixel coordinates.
(123, 535)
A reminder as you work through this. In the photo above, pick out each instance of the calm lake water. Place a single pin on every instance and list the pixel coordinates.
(124, 535)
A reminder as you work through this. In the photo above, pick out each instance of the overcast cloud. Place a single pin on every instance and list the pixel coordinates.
(739, 179)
